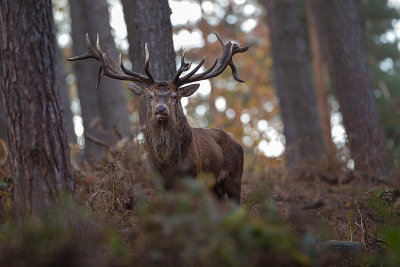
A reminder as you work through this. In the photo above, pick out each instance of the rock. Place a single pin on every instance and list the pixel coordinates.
(344, 247)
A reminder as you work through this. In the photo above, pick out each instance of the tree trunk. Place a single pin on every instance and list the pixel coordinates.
(64, 95)
(293, 82)
(149, 21)
(320, 78)
(341, 24)
(37, 139)
(3, 121)
(103, 107)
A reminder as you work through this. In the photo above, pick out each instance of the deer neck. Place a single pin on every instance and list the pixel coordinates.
(168, 141)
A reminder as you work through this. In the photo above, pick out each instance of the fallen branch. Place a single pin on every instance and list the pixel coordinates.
(96, 140)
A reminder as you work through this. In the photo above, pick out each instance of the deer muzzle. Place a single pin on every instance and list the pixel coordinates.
(161, 112)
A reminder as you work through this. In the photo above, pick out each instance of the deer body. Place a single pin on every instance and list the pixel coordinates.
(177, 150)
(174, 148)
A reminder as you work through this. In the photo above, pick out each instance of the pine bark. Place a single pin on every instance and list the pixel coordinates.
(3, 121)
(293, 83)
(102, 108)
(341, 27)
(38, 144)
(149, 22)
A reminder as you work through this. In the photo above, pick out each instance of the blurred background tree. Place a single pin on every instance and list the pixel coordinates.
(381, 18)
(352, 83)
(294, 86)
(104, 111)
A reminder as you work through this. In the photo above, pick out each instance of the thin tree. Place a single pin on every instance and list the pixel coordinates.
(341, 23)
(103, 108)
(38, 144)
(65, 100)
(292, 156)
(302, 128)
(149, 22)
(320, 74)
(379, 15)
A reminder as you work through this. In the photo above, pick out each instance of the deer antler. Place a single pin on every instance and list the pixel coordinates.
(216, 69)
(110, 68)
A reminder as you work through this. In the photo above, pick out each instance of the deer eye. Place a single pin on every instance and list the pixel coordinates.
(151, 97)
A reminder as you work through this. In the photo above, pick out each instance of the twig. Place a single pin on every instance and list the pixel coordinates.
(120, 204)
(377, 239)
(369, 191)
(350, 230)
(96, 140)
(362, 228)
(130, 175)
(89, 202)
(113, 193)
(133, 189)
(117, 132)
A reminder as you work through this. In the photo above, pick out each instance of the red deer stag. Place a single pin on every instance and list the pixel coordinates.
(174, 148)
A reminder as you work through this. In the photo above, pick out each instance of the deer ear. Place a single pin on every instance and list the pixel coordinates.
(136, 88)
(188, 90)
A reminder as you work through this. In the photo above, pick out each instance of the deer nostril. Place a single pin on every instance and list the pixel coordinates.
(161, 110)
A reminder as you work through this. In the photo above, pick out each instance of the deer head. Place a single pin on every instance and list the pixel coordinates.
(163, 97)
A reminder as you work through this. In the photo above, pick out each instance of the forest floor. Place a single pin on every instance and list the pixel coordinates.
(315, 206)
(325, 209)
(330, 209)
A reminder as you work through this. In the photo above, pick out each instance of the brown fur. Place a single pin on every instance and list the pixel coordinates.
(177, 150)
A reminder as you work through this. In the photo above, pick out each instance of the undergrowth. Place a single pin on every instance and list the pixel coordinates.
(122, 216)
(181, 228)
(384, 206)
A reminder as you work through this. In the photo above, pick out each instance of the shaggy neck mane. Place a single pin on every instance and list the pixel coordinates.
(168, 141)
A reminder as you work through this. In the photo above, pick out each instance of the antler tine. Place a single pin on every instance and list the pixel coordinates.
(220, 40)
(218, 68)
(91, 53)
(235, 50)
(132, 73)
(104, 69)
(228, 50)
(108, 66)
(146, 64)
(100, 73)
(203, 73)
(183, 67)
(190, 74)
